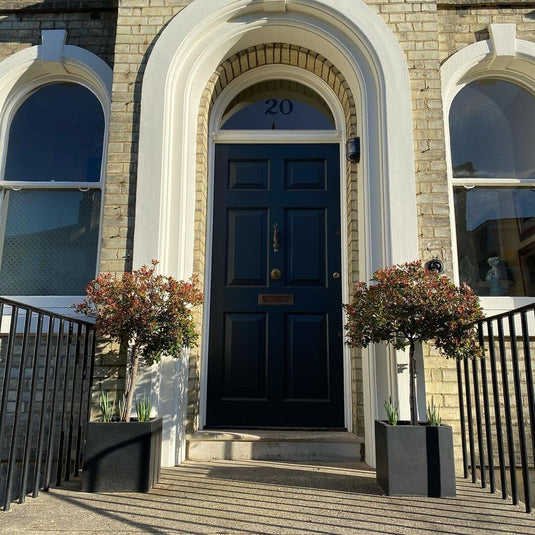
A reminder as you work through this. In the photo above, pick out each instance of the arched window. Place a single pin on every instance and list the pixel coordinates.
(51, 192)
(493, 167)
(278, 105)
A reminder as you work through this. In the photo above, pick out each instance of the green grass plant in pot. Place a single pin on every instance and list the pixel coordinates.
(405, 305)
(149, 315)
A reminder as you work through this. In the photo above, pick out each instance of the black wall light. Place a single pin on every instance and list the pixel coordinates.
(435, 265)
(353, 149)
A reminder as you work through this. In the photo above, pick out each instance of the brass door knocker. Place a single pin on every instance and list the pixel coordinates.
(276, 238)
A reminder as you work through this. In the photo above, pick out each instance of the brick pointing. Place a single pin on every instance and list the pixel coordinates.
(92, 30)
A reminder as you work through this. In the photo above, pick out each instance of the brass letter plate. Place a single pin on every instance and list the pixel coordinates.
(275, 299)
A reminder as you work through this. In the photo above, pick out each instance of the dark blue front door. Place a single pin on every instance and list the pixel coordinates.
(275, 344)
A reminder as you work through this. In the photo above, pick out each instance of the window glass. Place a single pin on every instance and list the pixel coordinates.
(492, 133)
(50, 240)
(278, 105)
(56, 135)
(496, 239)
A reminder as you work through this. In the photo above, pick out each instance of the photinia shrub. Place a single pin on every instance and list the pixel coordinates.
(407, 304)
(148, 314)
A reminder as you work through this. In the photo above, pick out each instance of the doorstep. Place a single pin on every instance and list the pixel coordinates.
(274, 445)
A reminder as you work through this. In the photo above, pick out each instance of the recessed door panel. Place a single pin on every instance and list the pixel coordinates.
(245, 355)
(305, 246)
(275, 354)
(307, 357)
(248, 174)
(246, 247)
(305, 174)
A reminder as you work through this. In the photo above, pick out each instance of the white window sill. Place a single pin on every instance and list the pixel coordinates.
(58, 304)
(498, 305)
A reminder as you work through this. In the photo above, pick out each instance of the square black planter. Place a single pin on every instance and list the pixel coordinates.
(122, 456)
(414, 460)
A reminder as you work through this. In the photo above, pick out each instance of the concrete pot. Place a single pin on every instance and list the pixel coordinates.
(414, 460)
(122, 456)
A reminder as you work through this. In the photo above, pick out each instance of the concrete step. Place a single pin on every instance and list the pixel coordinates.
(273, 445)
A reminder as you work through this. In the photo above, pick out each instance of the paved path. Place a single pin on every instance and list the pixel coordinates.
(255, 497)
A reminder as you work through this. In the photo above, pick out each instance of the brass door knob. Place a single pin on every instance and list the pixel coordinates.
(275, 274)
(336, 275)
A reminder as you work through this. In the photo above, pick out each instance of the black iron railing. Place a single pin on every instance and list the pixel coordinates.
(497, 406)
(46, 369)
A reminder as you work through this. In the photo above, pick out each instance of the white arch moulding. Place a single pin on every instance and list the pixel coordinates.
(356, 40)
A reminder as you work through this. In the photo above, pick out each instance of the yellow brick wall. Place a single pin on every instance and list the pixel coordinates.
(92, 26)
(428, 32)
(462, 26)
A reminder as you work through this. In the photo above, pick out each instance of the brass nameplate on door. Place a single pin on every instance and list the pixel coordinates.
(275, 299)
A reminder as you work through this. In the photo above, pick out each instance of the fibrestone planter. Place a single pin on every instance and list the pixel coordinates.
(122, 456)
(414, 460)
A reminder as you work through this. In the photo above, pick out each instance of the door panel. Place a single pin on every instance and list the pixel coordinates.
(275, 346)
(246, 249)
(245, 355)
(248, 174)
(305, 247)
(307, 354)
(305, 174)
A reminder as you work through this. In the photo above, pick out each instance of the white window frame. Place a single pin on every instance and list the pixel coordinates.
(502, 57)
(28, 70)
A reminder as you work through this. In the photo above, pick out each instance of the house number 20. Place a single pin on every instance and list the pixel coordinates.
(275, 106)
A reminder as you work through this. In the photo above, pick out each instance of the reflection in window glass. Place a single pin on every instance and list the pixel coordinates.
(56, 135)
(492, 133)
(278, 105)
(496, 240)
(50, 240)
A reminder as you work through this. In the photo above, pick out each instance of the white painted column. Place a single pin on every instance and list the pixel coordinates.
(166, 383)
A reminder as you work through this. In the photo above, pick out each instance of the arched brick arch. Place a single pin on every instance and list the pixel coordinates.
(238, 64)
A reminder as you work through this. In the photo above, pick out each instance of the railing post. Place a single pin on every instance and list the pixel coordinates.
(41, 435)
(507, 411)
(479, 427)
(486, 408)
(529, 379)
(497, 409)
(462, 418)
(48, 468)
(79, 433)
(72, 422)
(29, 423)
(5, 390)
(64, 405)
(18, 410)
(520, 415)
(470, 420)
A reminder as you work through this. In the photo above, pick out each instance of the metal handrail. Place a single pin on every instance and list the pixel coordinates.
(500, 428)
(46, 371)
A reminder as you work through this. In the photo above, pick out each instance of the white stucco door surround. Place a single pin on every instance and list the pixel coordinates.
(356, 40)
